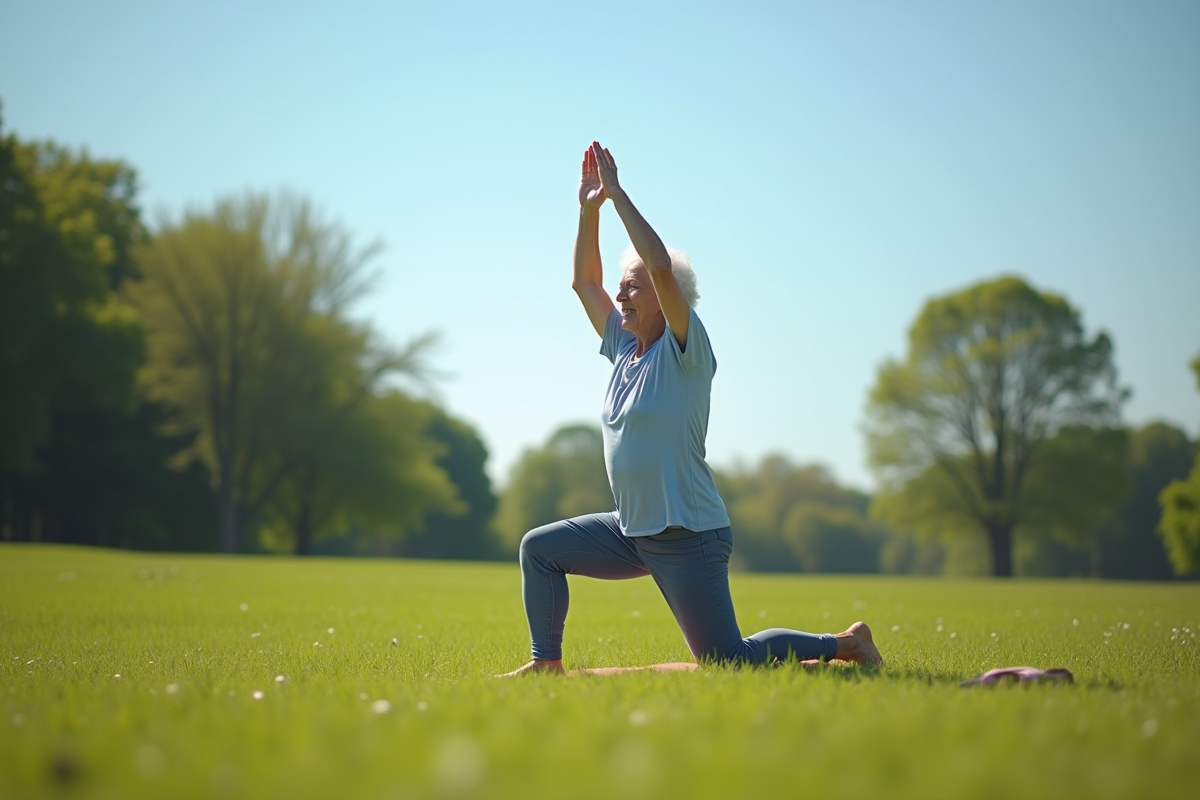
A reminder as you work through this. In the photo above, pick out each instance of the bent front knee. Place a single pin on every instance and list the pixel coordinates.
(533, 543)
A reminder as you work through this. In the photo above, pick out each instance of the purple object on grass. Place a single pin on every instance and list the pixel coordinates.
(1020, 675)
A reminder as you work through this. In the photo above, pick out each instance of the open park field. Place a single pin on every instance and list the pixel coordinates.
(151, 675)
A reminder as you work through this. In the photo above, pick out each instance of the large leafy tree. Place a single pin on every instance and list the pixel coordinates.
(563, 479)
(79, 458)
(1180, 525)
(66, 225)
(249, 346)
(1002, 415)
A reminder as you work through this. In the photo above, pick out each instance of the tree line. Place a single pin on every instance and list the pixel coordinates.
(204, 386)
(790, 517)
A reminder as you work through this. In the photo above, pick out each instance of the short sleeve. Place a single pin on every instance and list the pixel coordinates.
(698, 354)
(614, 336)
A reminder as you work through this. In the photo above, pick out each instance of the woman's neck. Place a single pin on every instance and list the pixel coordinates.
(647, 339)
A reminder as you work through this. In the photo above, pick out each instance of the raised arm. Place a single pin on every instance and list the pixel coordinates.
(648, 246)
(589, 273)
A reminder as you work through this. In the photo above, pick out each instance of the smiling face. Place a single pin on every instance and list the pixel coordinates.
(641, 314)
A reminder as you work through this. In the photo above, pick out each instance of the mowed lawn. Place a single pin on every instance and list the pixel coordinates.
(148, 675)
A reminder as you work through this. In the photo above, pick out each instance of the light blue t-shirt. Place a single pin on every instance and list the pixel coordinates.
(655, 422)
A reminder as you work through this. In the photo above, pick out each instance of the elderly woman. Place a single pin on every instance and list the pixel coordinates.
(670, 522)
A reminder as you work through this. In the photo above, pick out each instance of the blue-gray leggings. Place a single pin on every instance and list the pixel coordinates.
(691, 569)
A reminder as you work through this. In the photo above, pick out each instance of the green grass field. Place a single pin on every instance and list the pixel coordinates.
(147, 675)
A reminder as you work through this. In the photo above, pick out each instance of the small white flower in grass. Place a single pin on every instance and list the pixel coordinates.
(244, 607)
(638, 718)
(395, 643)
(637, 613)
(422, 705)
(895, 629)
(316, 644)
(1107, 634)
(258, 694)
(762, 614)
(381, 707)
(1075, 622)
(940, 629)
(280, 679)
(953, 635)
(255, 635)
(1125, 626)
(172, 688)
(30, 661)
(420, 636)
(117, 675)
(362, 695)
(993, 634)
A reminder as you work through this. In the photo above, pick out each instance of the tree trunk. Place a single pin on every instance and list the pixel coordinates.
(1000, 539)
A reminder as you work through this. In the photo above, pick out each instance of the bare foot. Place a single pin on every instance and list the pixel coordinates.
(536, 666)
(856, 644)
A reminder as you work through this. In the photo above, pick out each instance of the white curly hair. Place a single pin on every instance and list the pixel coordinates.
(681, 268)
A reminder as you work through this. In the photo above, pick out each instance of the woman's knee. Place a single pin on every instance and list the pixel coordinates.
(536, 543)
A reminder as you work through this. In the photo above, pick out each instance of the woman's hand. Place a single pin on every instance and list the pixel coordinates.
(606, 168)
(591, 190)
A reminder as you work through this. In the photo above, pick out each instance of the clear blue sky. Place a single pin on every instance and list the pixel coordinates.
(828, 166)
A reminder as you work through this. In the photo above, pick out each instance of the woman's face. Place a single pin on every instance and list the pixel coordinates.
(640, 311)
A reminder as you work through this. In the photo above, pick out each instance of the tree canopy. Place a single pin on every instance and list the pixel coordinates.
(466, 532)
(1004, 413)
(65, 336)
(1180, 526)
(1127, 544)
